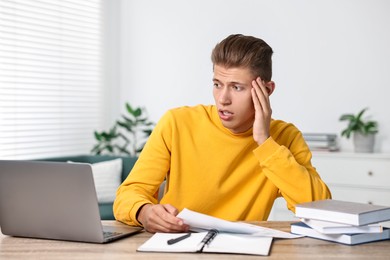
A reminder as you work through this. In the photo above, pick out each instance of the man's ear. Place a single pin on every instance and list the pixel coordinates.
(270, 85)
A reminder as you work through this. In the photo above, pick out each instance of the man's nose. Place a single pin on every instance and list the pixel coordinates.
(224, 97)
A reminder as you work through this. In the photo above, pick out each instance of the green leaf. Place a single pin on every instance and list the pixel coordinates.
(347, 117)
(129, 108)
(127, 135)
(97, 136)
(137, 112)
(147, 132)
(112, 131)
(123, 150)
(95, 149)
(128, 120)
(346, 133)
(360, 114)
(356, 123)
(128, 126)
(124, 137)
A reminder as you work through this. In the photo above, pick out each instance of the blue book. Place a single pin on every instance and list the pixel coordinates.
(347, 239)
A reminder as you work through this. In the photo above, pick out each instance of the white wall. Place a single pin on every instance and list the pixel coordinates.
(331, 56)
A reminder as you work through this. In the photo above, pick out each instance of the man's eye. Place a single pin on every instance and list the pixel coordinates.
(237, 88)
(216, 85)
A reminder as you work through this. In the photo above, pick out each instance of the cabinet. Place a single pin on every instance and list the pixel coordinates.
(357, 177)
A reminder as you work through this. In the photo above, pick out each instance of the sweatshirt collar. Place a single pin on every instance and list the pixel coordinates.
(217, 121)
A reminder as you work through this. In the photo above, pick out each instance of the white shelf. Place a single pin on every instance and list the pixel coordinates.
(342, 154)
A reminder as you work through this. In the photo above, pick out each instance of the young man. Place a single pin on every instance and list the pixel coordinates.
(229, 160)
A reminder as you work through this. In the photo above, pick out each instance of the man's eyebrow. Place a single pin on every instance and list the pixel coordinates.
(238, 83)
(231, 82)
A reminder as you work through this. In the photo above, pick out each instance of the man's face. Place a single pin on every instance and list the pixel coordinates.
(233, 98)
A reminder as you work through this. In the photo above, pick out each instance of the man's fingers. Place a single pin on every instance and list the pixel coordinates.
(162, 218)
(262, 92)
(255, 99)
(260, 97)
(168, 214)
(171, 209)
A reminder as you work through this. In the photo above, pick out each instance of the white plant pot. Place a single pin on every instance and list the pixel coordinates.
(363, 143)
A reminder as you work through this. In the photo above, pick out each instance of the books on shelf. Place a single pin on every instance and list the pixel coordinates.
(319, 136)
(318, 141)
(343, 212)
(344, 238)
(327, 227)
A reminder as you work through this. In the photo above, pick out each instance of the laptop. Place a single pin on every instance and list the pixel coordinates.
(53, 200)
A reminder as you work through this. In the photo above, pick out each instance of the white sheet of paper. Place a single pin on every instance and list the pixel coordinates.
(198, 221)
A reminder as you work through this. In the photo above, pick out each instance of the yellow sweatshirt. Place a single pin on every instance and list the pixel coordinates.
(213, 171)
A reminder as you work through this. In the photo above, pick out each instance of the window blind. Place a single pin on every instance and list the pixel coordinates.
(51, 64)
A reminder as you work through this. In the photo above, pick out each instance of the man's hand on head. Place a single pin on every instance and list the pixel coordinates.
(260, 96)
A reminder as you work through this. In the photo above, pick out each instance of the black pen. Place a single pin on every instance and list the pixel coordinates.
(178, 239)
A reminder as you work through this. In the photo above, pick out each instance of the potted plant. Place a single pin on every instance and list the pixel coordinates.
(126, 137)
(363, 131)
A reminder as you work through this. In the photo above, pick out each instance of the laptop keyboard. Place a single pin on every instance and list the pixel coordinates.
(108, 234)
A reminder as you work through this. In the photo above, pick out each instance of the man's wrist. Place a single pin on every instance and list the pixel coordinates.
(139, 214)
(262, 139)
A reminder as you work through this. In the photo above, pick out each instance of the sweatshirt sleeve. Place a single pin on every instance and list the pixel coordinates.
(287, 163)
(142, 184)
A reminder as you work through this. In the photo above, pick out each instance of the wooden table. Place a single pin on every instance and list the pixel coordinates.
(301, 248)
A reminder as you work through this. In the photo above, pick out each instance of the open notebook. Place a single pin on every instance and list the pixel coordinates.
(221, 243)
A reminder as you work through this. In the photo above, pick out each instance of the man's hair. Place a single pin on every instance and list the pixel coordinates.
(238, 50)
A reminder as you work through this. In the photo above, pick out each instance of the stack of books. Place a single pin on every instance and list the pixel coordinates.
(321, 142)
(344, 222)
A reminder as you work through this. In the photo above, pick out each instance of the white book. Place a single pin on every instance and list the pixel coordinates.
(221, 243)
(327, 227)
(344, 212)
(348, 239)
(319, 137)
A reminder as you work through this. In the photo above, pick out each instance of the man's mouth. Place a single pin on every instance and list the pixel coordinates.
(225, 115)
